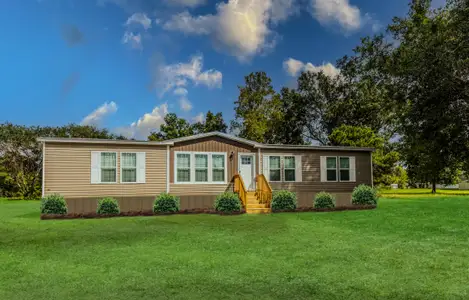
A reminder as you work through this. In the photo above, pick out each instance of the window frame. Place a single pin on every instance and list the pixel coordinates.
(340, 169)
(280, 167)
(192, 168)
(198, 168)
(101, 168)
(336, 169)
(122, 168)
(285, 168)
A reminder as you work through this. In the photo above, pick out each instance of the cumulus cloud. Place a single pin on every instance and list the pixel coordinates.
(176, 75)
(239, 27)
(134, 40)
(180, 92)
(99, 114)
(185, 104)
(294, 67)
(149, 122)
(337, 11)
(139, 18)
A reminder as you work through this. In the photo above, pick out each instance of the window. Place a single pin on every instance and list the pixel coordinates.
(289, 168)
(331, 163)
(129, 167)
(274, 168)
(218, 168)
(201, 167)
(183, 170)
(108, 167)
(344, 168)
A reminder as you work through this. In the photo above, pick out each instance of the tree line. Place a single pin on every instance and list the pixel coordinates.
(404, 92)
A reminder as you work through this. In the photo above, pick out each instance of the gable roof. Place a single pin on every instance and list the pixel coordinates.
(204, 135)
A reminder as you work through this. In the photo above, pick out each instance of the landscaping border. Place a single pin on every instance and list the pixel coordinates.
(147, 213)
(341, 208)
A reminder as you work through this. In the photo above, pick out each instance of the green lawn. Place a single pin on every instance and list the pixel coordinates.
(414, 248)
(421, 192)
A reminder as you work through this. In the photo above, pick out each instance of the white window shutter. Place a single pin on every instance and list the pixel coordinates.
(323, 169)
(95, 167)
(298, 169)
(265, 166)
(141, 167)
(353, 173)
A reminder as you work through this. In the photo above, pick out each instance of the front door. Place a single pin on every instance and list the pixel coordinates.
(246, 170)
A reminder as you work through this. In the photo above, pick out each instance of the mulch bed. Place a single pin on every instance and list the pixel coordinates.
(137, 214)
(343, 208)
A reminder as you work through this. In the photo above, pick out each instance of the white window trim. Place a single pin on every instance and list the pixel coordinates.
(101, 168)
(339, 169)
(284, 168)
(336, 169)
(136, 168)
(268, 168)
(192, 167)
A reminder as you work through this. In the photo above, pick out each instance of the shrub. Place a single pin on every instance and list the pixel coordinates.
(228, 202)
(108, 206)
(283, 200)
(364, 195)
(166, 203)
(324, 200)
(54, 204)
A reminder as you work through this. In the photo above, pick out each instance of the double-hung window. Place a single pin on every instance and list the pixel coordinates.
(344, 168)
(289, 168)
(200, 167)
(218, 168)
(332, 169)
(108, 167)
(183, 170)
(129, 167)
(274, 168)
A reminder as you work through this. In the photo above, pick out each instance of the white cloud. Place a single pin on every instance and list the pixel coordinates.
(149, 122)
(135, 40)
(188, 3)
(99, 114)
(294, 67)
(180, 74)
(339, 11)
(180, 92)
(199, 118)
(139, 18)
(185, 104)
(239, 27)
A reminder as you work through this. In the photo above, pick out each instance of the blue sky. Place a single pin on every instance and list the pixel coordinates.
(123, 64)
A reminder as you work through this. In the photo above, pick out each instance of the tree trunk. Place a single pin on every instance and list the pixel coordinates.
(434, 187)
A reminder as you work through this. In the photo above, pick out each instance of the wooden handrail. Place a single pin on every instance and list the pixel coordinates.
(263, 190)
(240, 188)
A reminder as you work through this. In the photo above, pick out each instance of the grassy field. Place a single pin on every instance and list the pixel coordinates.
(422, 192)
(406, 249)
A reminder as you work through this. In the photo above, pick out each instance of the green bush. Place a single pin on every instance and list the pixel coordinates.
(283, 200)
(228, 203)
(54, 204)
(166, 203)
(324, 200)
(364, 195)
(108, 206)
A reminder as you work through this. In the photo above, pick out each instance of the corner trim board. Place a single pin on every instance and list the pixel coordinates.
(43, 167)
(167, 168)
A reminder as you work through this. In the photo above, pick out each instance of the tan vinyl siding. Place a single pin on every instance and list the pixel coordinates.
(311, 171)
(209, 144)
(68, 171)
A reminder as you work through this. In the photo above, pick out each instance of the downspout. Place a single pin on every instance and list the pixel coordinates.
(167, 168)
(43, 167)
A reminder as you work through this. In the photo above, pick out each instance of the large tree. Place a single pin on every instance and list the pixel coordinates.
(257, 109)
(430, 79)
(173, 127)
(21, 154)
(212, 122)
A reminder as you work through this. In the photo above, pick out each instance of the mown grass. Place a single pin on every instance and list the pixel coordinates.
(406, 249)
(422, 192)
